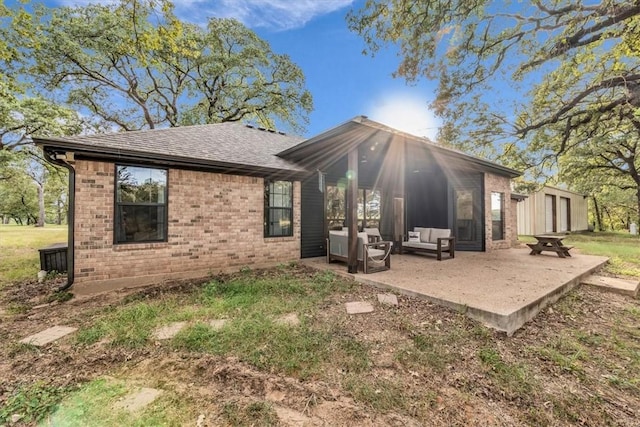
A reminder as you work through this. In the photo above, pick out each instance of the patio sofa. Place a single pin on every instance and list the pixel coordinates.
(372, 257)
(430, 240)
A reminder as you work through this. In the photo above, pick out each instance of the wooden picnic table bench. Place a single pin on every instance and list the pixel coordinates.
(549, 243)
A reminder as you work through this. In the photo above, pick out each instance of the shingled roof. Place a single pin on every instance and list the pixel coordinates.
(230, 146)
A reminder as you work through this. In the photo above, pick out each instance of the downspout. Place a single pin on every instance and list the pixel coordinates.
(70, 215)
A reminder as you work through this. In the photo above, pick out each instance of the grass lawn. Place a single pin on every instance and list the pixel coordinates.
(19, 248)
(577, 363)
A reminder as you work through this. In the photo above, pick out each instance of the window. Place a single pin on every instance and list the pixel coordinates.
(369, 202)
(141, 204)
(278, 208)
(497, 216)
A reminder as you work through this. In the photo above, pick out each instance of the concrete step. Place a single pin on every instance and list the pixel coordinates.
(614, 284)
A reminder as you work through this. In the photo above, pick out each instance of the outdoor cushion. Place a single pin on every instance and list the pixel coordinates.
(439, 232)
(414, 236)
(339, 243)
(424, 233)
(376, 253)
(420, 245)
(372, 232)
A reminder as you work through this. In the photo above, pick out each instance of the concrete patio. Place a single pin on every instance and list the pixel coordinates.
(502, 289)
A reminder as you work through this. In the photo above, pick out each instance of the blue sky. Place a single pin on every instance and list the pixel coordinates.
(344, 83)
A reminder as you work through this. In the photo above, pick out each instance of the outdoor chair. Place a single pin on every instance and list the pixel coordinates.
(372, 256)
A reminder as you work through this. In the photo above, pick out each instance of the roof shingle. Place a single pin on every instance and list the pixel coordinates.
(223, 143)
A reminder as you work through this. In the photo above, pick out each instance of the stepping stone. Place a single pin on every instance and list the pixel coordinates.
(48, 335)
(290, 319)
(358, 307)
(390, 299)
(217, 324)
(621, 286)
(133, 402)
(169, 331)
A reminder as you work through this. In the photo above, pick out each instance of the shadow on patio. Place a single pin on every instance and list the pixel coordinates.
(502, 289)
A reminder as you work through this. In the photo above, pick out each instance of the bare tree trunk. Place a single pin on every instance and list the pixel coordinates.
(606, 211)
(59, 212)
(638, 212)
(41, 214)
(598, 214)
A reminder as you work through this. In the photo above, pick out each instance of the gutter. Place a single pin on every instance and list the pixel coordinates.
(61, 161)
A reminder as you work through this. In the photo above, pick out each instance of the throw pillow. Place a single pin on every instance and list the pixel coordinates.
(414, 236)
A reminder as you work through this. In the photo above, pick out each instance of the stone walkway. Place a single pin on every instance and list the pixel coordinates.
(48, 335)
(138, 400)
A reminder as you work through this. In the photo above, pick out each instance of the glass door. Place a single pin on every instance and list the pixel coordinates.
(468, 227)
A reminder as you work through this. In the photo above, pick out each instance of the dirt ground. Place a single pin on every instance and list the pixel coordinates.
(464, 391)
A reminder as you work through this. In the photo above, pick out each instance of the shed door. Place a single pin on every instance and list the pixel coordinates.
(564, 214)
(549, 213)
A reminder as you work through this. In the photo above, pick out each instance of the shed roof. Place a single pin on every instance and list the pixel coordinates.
(231, 146)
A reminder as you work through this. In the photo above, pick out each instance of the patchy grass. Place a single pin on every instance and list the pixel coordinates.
(31, 403)
(514, 379)
(19, 247)
(129, 326)
(577, 364)
(95, 404)
(254, 413)
(379, 394)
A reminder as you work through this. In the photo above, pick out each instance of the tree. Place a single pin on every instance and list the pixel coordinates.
(20, 118)
(18, 197)
(56, 197)
(134, 65)
(608, 168)
(525, 82)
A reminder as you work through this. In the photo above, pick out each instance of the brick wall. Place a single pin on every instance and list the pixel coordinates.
(215, 224)
(498, 184)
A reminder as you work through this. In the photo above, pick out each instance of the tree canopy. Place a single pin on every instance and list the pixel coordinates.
(525, 82)
(133, 64)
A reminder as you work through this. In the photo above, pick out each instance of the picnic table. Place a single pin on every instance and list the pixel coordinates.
(549, 243)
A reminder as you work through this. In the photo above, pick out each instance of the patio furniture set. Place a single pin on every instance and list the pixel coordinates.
(374, 254)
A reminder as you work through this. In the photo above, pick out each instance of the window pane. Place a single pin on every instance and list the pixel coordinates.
(336, 209)
(496, 206)
(279, 222)
(280, 194)
(497, 216)
(140, 223)
(373, 206)
(141, 185)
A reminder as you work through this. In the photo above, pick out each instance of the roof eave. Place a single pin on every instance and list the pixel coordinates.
(364, 121)
(113, 154)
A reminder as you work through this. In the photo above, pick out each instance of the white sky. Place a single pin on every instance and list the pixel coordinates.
(272, 14)
(406, 113)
